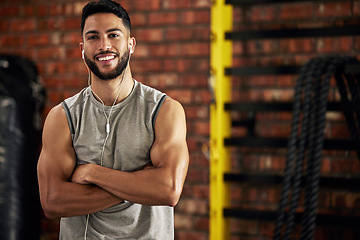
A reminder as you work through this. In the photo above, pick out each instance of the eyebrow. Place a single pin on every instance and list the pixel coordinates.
(97, 32)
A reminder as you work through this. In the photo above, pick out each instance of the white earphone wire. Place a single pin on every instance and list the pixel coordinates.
(107, 127)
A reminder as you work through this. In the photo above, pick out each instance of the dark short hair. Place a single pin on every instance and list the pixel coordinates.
(105, 6)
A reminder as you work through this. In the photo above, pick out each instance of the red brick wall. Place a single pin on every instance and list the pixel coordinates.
(172, 54)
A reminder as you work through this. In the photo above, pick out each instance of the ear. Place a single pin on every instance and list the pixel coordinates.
(81, 45)
(132, 44)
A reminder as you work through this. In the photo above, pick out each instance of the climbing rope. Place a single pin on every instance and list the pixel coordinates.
(307, 137)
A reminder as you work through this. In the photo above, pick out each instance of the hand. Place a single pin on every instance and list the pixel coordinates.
(80, 173)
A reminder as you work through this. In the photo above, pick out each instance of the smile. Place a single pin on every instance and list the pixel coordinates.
(106, 58)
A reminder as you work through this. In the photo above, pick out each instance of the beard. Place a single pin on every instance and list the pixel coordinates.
(119, 68)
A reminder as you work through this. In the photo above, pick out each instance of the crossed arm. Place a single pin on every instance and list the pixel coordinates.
(67, 190)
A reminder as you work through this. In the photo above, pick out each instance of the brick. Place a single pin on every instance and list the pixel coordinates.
(238, 47)
(262, 46)
(192, 206)
(50, 24)
(57, 9)
(191, 17)
(356, 8)
(77, 8)
(296, 11)
(4, 25)
(39, 39)
(334, 9)
(141, 51)
(141, 66)
(202, 96)
(183, 221)
(193, 144)
(244, 227)
(202, 128)
(286, 81)
(302, 45)
(138, 19)
(73, 53)
(201, 191)
(183, 96)
(145, 5)
(22, 25)
(195, 49)
(187, 235)
(163, 18)
(339, 131)
(328, 45)
(165, 50)
(29, 10)
(201, 4)
(326, 165)
(149, 35)
(9, 11)
(261, 80)
(71, 38)
(197, 112)
(168, 4)
(11, 41)
(176, 34)
(262, 14)
(189, 66)
(50, 53)
(54, 68)
(343, 166)
(197, 176)
(72, 23)
(54, 96)
(202, 223)
(163, 80)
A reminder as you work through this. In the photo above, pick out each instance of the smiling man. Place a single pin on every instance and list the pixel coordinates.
(114, 156)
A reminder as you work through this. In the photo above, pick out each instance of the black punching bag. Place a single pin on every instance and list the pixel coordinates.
(22, 99)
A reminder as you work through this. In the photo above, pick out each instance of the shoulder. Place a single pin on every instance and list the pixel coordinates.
(56, 117)
(171, 106)
(171, 116)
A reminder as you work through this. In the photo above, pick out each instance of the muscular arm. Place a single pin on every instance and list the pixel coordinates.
(59, 197)
(160, 185)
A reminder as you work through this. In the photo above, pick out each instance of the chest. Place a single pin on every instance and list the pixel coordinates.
(127, 147)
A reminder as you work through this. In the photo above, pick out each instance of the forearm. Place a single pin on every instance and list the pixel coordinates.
(71, 199)
(155, 186)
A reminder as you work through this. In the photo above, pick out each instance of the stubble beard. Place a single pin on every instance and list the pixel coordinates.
(117, 71)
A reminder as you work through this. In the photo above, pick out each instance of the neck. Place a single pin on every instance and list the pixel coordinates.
(112, 91)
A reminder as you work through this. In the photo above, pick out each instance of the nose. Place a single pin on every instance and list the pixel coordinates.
(105, 44)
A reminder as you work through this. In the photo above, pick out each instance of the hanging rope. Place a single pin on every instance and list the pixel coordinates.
(306, 140)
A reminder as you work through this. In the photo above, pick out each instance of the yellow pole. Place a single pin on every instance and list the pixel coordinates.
(220, 121)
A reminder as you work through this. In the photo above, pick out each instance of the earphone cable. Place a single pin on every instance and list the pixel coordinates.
(107, 129)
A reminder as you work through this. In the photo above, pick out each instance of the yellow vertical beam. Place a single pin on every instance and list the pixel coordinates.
(220, 121)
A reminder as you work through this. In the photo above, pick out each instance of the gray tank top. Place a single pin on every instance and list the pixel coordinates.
(127, 149)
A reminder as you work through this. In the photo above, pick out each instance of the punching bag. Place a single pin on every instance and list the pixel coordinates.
(22, 99)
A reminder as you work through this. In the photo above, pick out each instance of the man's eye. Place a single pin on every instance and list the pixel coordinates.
(113, 35)
(91, 37)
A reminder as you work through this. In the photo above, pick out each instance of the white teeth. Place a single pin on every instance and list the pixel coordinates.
(106, 58)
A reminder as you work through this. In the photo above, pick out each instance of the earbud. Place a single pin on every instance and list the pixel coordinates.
(82, 54)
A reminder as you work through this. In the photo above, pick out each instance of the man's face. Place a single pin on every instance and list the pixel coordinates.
(106, 45)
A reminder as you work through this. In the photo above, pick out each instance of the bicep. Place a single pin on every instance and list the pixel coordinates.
(170, 147)
(57, 158)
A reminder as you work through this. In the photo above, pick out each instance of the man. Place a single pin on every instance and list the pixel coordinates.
(114, 156)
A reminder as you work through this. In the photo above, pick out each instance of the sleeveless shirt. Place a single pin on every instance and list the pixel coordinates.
(127, 149)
